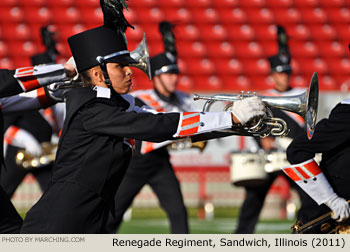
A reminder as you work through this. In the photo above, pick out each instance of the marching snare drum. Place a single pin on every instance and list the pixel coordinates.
(275, 161)
(247, 169)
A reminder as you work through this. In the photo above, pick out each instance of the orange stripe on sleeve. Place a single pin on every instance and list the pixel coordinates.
(313, 168)
(291, 174)
(10, 134)
(188, 131)
(190, 120)
(30, 84)
(43, 99)
(302, 172)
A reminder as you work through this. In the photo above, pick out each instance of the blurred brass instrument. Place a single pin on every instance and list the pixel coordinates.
(186, 143)
(28, 161)
(323, 224)
(304, 105)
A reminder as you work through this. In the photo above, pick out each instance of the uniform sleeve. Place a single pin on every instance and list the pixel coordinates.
(329, 134)
(103, 119)
(34, 100)
(8, 84)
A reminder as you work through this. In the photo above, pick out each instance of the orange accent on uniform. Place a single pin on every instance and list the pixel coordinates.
(188, 131)
(313, 167)
(30, 84)
(190, 120)
(43, 99)
(151, 102)
(10, 134)
(59, 133)
(147, 147)
(302, 172)
(291, 174)
(24, 69)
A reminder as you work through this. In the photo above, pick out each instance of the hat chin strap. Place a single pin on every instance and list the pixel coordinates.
(103, 66)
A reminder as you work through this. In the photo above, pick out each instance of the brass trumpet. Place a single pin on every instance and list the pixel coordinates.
(304, 105)
(186, 143)
(28, 161)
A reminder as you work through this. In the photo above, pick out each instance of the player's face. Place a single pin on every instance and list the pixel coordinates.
(281, 81)
(120, 76)
(166, 83)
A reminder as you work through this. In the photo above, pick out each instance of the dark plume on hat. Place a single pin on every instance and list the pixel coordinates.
(113, 14)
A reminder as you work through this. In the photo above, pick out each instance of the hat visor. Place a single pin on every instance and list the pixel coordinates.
(125, 59)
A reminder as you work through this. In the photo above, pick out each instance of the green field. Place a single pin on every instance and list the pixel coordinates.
(154, 221)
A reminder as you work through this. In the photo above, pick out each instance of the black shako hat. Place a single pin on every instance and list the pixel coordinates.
(164, 63)
(280, 63)
(98, 45)
(41, 58)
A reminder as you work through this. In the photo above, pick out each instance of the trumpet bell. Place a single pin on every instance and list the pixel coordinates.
(141, 55)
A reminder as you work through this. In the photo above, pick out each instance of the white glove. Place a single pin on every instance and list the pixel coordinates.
(339, 206)
(248, 108)
(24, 139)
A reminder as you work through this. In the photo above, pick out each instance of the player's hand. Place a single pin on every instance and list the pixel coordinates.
(27, 141)
(339, 206)
(246, 109)
(71, 69)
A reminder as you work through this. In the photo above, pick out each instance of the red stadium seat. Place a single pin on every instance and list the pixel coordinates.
(155, 48)
(306, 3)
(3, 49)
(333, 3)
(260, 16)
(200, 66)
(236, 83)
(299, 81)
(191, 49)
(208, 83)
(308, 66)
(226, 3)
(303, 49)
(339, 15)
(187, 32)
(248, 50)
(171, 3)
(253, 3)
(141, 3)
(256, 66)
(241, 32)
(296, 69)
(38, 15)
(332, 49)
(213, 32)
(261, 83)
(32, 2)
(17, 32)
(66, 15)
(136, 34)
(175, 15)
(314, 15)
(9, 3)
(11, 15)
(67, 30)
(229, 66)
(218, 49)
(198, 4)
(298, 32)
(343, 32)
(129, 14)
(149, 15)
(339, 65)
(22, 49)
(265, 32)
(269, 47)
(287, 16)
(21, 61)
(6, 63)
(185, 83)
(326, 82)
(92, 16)
(205, 15)
(89, 3)
(279, 3)
(323, 32)
(233, 16)
(62, 3)
(63, 49)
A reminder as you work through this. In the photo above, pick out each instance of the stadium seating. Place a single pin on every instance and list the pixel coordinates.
(218, 40)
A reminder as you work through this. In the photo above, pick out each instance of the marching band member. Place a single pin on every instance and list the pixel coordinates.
(95, 145)
(328, 183)
(151, 163)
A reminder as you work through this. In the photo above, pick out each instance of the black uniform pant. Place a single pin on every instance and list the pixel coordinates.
(254, 201)
(10, 221)
(164, 183)
(13, 175)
